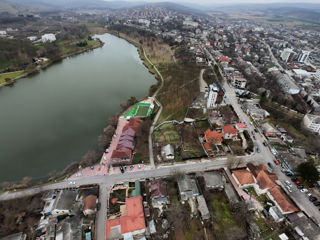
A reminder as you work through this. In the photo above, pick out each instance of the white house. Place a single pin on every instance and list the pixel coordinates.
(50, 37)
(167, 152)
(312, 122)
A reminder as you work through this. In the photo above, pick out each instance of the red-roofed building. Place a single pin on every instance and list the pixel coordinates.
(281, 200)
(243, 177)
(264, 182)
(213, 137)
(129, 225)
(241, 127)
(224, 59)
(121, 157)
(229, 132)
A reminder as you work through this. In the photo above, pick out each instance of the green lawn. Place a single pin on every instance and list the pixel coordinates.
(139, 110)
(11, 75)
(166, 134)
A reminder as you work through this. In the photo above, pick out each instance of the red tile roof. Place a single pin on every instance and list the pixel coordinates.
(229, 129)
(207, 147)
(158, 188)
(280, 197)
(243, 176)
(241, 125)
(121, 154)
(213, 136)
(90, 202)
(224, 59)
(264, 178)
(132, 221)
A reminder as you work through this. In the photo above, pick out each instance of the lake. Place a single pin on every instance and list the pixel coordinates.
(53, 118)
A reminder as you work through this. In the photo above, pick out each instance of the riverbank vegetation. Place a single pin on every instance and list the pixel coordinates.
(180, 73)
(19, 56)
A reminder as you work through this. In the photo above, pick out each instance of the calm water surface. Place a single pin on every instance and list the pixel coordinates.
(53, 118)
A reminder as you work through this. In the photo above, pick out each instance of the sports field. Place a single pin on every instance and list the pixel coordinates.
(139, 110)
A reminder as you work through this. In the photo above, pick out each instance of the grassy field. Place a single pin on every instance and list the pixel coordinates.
(167, 134)
(139, 110)
(225, 225)
(11, 75)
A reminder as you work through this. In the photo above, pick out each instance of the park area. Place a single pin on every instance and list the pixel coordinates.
(140, 110)
(10, 76)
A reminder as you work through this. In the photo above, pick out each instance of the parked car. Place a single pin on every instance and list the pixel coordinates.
(121, 169)
(294, 179)
(270, 165)
(258, 149)
(309, 194)
(289, 188)
(288, 183)
(265, 213)
(312, 198)
(276, 161)
(72, 182)
(107, 150)
(139, 166)
(289, 174)
(255, 130)
(304, 190)
(317, 203)
(300, 187)
(254, 137)
(264, 144)
(246, 191)
(298, 182)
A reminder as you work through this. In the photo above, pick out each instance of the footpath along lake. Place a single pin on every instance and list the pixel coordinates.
(53, 118)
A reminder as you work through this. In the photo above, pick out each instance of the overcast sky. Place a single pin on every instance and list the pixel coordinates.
(230, 1)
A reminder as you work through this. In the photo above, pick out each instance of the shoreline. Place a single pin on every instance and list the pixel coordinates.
(140, 52)
(48, 64)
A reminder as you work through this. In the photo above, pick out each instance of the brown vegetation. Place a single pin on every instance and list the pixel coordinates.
(20, 215)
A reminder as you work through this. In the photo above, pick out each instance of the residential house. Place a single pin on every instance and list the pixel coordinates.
(123, 153)
(276, 214)
(215, 96)
(48, 38)
(167, 152)
(213, 180)
(213, 137)
(268, 130)
(244, 178)
(312, 123)
(90, 205)
(230, 132)
(241, 127)
(239, 82)
(187, 188)
(228, 116)
(130, 224)
(158, 191)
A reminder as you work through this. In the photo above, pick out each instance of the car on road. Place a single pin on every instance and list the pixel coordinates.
(294, 179)
(289, 188)
(304, 190)
(258, 149)
(276, 161)
(300, 187)
(312, 198)
(317, 203)
(72, 183)
(270, 165)
(288, 183)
